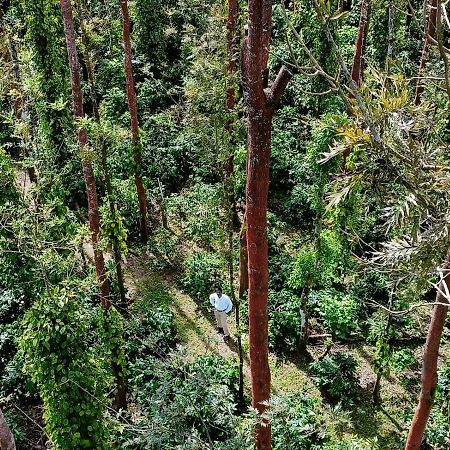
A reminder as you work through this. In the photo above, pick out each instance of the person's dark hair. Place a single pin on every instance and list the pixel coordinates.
(218, 288)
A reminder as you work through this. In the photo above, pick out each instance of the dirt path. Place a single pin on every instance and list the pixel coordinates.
(197, 334)
(195, 328)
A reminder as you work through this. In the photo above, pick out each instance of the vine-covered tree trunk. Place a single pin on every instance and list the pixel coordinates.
(104, 162)
(132, 106)
(261, 102)
(89, 178)
(91, 191)
(429, 33)
(357, 66)
(430, 360)
(6, 438)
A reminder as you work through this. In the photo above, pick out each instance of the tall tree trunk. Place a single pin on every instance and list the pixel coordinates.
(357, 66)
(430, 360)
(429, 33)
(233, 219)
(104, 162)
(91, 191)
(261, 103)
(89, 179)
(6, 438)
(132, 106)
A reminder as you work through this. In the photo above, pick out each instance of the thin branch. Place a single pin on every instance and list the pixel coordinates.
(405, 311)
(274, 93)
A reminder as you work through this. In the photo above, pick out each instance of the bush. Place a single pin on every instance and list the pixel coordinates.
(183, 403)
(284, 320)
(151, 328)
(350, 444)
(296, 422)
(338, 311)
(438, 428)
(199, 214)
(335, 375)
(163, 246)
(64, 365)
(202, 271)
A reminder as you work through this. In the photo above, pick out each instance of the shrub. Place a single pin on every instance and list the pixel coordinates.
(338, 311)
(284, 320)
(62, 362)
(163, 245)
(438, 428)
(202, 271)
(151, 328)
(199, 214)
(296, 422)
(335, 375)
(351, 444)
(183, 403)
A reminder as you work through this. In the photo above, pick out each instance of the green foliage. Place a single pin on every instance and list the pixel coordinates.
(113, 228)
(164, 248)
(49, 82)
(336, 377)
(151, 328)
(304, 269)
(202, 272)
(67, 370)
(126, 203)
(198, 213)
(339, 311)
(437, 431)
(185, 404)
(7, 180)
(296, 421)
(351, 444)
(284, 320)
(403, 360)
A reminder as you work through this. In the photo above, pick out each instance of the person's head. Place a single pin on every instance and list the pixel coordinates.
(218, 291)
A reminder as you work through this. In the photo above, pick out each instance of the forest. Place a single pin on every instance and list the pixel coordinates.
(224, 224)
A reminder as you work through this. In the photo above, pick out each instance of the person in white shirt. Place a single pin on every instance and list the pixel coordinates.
(222, 306)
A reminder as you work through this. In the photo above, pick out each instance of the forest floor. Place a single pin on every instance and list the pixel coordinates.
(197, 335)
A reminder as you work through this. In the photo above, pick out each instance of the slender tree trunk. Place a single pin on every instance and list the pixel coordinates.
(304, 329)
(89, 179)
(430, 32)
(261, 103)
(233, 219)
(104, 162)
(132, 106)
(357, 66)
(376, 394)
(91, 191)
(243, 260)
(6, 438)
(390, 33)
(430, 360)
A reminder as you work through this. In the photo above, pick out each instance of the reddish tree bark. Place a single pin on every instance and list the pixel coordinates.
(91, 191)
(89, 179)
(429, 32)
(261, 102)
(6, 438)
(104, 162)
(132, 106)
(243, 260)
(430, 360)
(357, 66)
